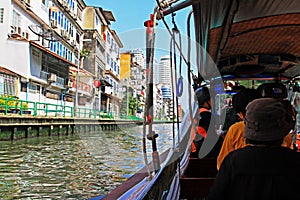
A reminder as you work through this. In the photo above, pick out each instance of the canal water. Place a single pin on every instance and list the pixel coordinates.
(76, 166)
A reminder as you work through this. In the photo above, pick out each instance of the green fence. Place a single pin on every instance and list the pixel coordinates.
(21, 107)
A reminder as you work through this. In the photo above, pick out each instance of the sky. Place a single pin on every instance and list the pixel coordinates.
(130, 16)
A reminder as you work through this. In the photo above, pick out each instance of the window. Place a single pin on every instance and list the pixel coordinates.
(98, 71)
(79, 13)
(107, 59)
(64, 53)
(111, 63)
(1, 15)
(108, 37)
(16, 19)
(8, 84)
(97, 21)
(33, 89)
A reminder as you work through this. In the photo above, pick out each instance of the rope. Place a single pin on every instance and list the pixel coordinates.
(165, 4)
(170, 32)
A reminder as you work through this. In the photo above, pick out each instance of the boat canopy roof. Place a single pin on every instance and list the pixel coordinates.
(247, 38)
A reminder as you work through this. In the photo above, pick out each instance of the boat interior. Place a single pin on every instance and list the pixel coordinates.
(247, 40)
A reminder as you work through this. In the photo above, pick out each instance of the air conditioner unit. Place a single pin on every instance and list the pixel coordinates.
(68, 36)
(70, 83)
(13, 29)
(15, 32)
(65, 4)
(74, 15)
(64, 33)
(73, 43)
(19, 30)
(53, 23)
(52, 77)
(68, 7)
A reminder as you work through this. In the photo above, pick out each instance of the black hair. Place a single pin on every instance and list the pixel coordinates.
(243, 97)
(202, 95)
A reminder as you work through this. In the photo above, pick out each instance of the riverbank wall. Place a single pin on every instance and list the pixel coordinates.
(20, 127)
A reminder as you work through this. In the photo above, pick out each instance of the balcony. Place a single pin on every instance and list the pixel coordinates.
(57, 81)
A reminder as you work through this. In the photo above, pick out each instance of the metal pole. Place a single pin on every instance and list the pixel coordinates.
(77, 81)
(100, 98)
(127, 101)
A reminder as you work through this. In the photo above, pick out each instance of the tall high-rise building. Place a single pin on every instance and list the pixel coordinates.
(138, 57)
(164, 70)
(165, 80)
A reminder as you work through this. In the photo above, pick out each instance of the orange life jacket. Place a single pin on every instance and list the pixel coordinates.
(200, 130)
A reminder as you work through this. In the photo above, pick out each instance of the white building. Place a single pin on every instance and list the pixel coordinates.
(43, 47)
(165, 85)
(112, 72)
(164, 70)
(40, 42)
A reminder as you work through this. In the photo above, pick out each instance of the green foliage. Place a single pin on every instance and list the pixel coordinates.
(2, 103)
(24, 105)
(84, 53)
(133, 105)
(12, 101)
(249, 83)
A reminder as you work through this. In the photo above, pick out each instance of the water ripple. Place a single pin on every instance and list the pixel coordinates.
(71, 167)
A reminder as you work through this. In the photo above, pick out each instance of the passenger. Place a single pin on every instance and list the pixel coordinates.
(263, 169)
(290, 139)
(199, 133)
(230, 116)
(234, 138)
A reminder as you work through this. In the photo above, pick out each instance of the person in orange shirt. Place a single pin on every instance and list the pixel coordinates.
(234, 138)
(201, 131)
(202, 120)
(263, 169)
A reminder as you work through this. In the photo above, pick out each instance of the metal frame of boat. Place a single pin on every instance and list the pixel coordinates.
(247, 40)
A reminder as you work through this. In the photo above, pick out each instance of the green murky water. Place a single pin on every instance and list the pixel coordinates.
(77, 166)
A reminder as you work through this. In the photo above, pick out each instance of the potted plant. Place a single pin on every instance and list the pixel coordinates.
(24, 108)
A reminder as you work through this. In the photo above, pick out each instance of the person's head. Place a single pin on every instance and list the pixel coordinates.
(267, 122)
(203, 96)
(242, 98)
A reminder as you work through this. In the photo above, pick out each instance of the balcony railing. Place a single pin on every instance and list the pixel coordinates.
(44, 75)
(60, 82)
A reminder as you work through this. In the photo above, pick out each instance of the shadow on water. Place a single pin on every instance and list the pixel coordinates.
(73, 167)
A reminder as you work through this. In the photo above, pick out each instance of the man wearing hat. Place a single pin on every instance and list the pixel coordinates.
(264, 169)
